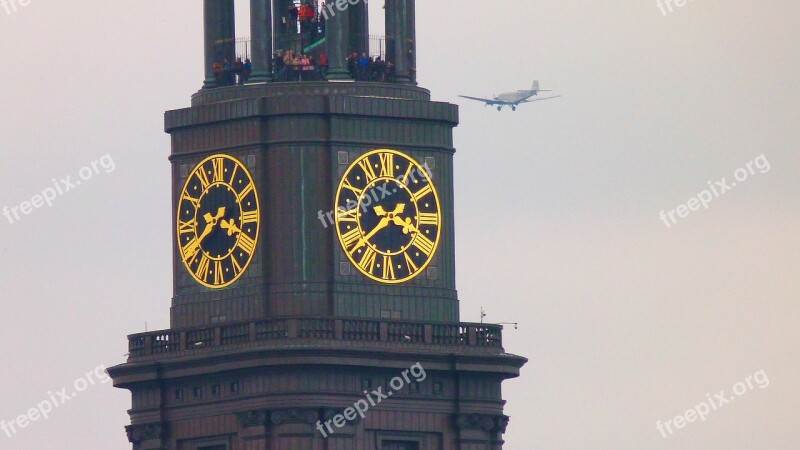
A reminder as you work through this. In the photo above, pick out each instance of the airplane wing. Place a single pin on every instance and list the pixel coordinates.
(537, 99)
(485, 100)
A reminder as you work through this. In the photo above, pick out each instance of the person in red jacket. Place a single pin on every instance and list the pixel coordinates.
(323, 64)
(306, 13)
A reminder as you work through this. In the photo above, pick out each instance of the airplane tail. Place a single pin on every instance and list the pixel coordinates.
(536, 89)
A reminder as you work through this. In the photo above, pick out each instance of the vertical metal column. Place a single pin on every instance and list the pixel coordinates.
(359, 28)
(338, 33)
(401, 47)
(219, 35)
(261, 35)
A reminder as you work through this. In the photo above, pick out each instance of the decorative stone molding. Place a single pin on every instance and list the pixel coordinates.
(252, 418)
(294, 415)
(330, 413)
(484, 422)
(138, 433)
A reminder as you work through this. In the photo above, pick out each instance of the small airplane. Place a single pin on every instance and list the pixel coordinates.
(513, 99)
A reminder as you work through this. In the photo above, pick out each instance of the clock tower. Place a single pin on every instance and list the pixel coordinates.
(315, 303)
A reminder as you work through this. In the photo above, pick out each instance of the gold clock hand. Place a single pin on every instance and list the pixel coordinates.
(406, 224)
(380, 212)
(381, 225)
(211, 222)
(230, 227)
(385, 221)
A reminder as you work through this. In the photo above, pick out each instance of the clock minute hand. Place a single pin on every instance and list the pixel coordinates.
(381, 225)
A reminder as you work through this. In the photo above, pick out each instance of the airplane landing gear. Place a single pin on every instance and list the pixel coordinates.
(513, 108)
(499, 108)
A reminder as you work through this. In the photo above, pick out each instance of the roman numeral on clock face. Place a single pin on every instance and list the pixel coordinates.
(249, 217)
(350, 238)
(245, 192)
(219, 169)
(429, 219)
(202, 267)
(349, 186)
(237, 268)
(187, 227)
(233, 174)
(246, 243)
(194, 201)
(423, 192)
(347, 216)
(366, 166)
(219, 275)
(368, 259)
(189, 249)
(424, 244)
(412, 268)
(203, 177)
(407, 175)
(388, 268)
(387, 165)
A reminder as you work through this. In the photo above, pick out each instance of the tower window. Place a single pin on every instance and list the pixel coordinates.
(366, 383)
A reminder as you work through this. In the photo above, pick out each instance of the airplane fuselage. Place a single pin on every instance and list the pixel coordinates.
(515, 97)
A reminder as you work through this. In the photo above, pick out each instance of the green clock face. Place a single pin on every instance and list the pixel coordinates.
(388, 216)
(218, 221)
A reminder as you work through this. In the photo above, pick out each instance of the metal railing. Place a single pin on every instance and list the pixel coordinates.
(178, 342)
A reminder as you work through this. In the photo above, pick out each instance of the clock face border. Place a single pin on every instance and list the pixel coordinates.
(216, 176)
(416, 251)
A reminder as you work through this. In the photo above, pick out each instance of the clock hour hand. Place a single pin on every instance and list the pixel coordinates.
(380, 212)
(407, 227)
(211, 222)
(230, 227)
(387, 218)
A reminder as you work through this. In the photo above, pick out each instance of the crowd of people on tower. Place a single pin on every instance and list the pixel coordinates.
(368, 68)
(288, 65)
(303, 30)
(228, 74)
(306, 18)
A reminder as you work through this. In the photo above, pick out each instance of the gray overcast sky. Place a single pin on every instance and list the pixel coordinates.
(625, 320)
